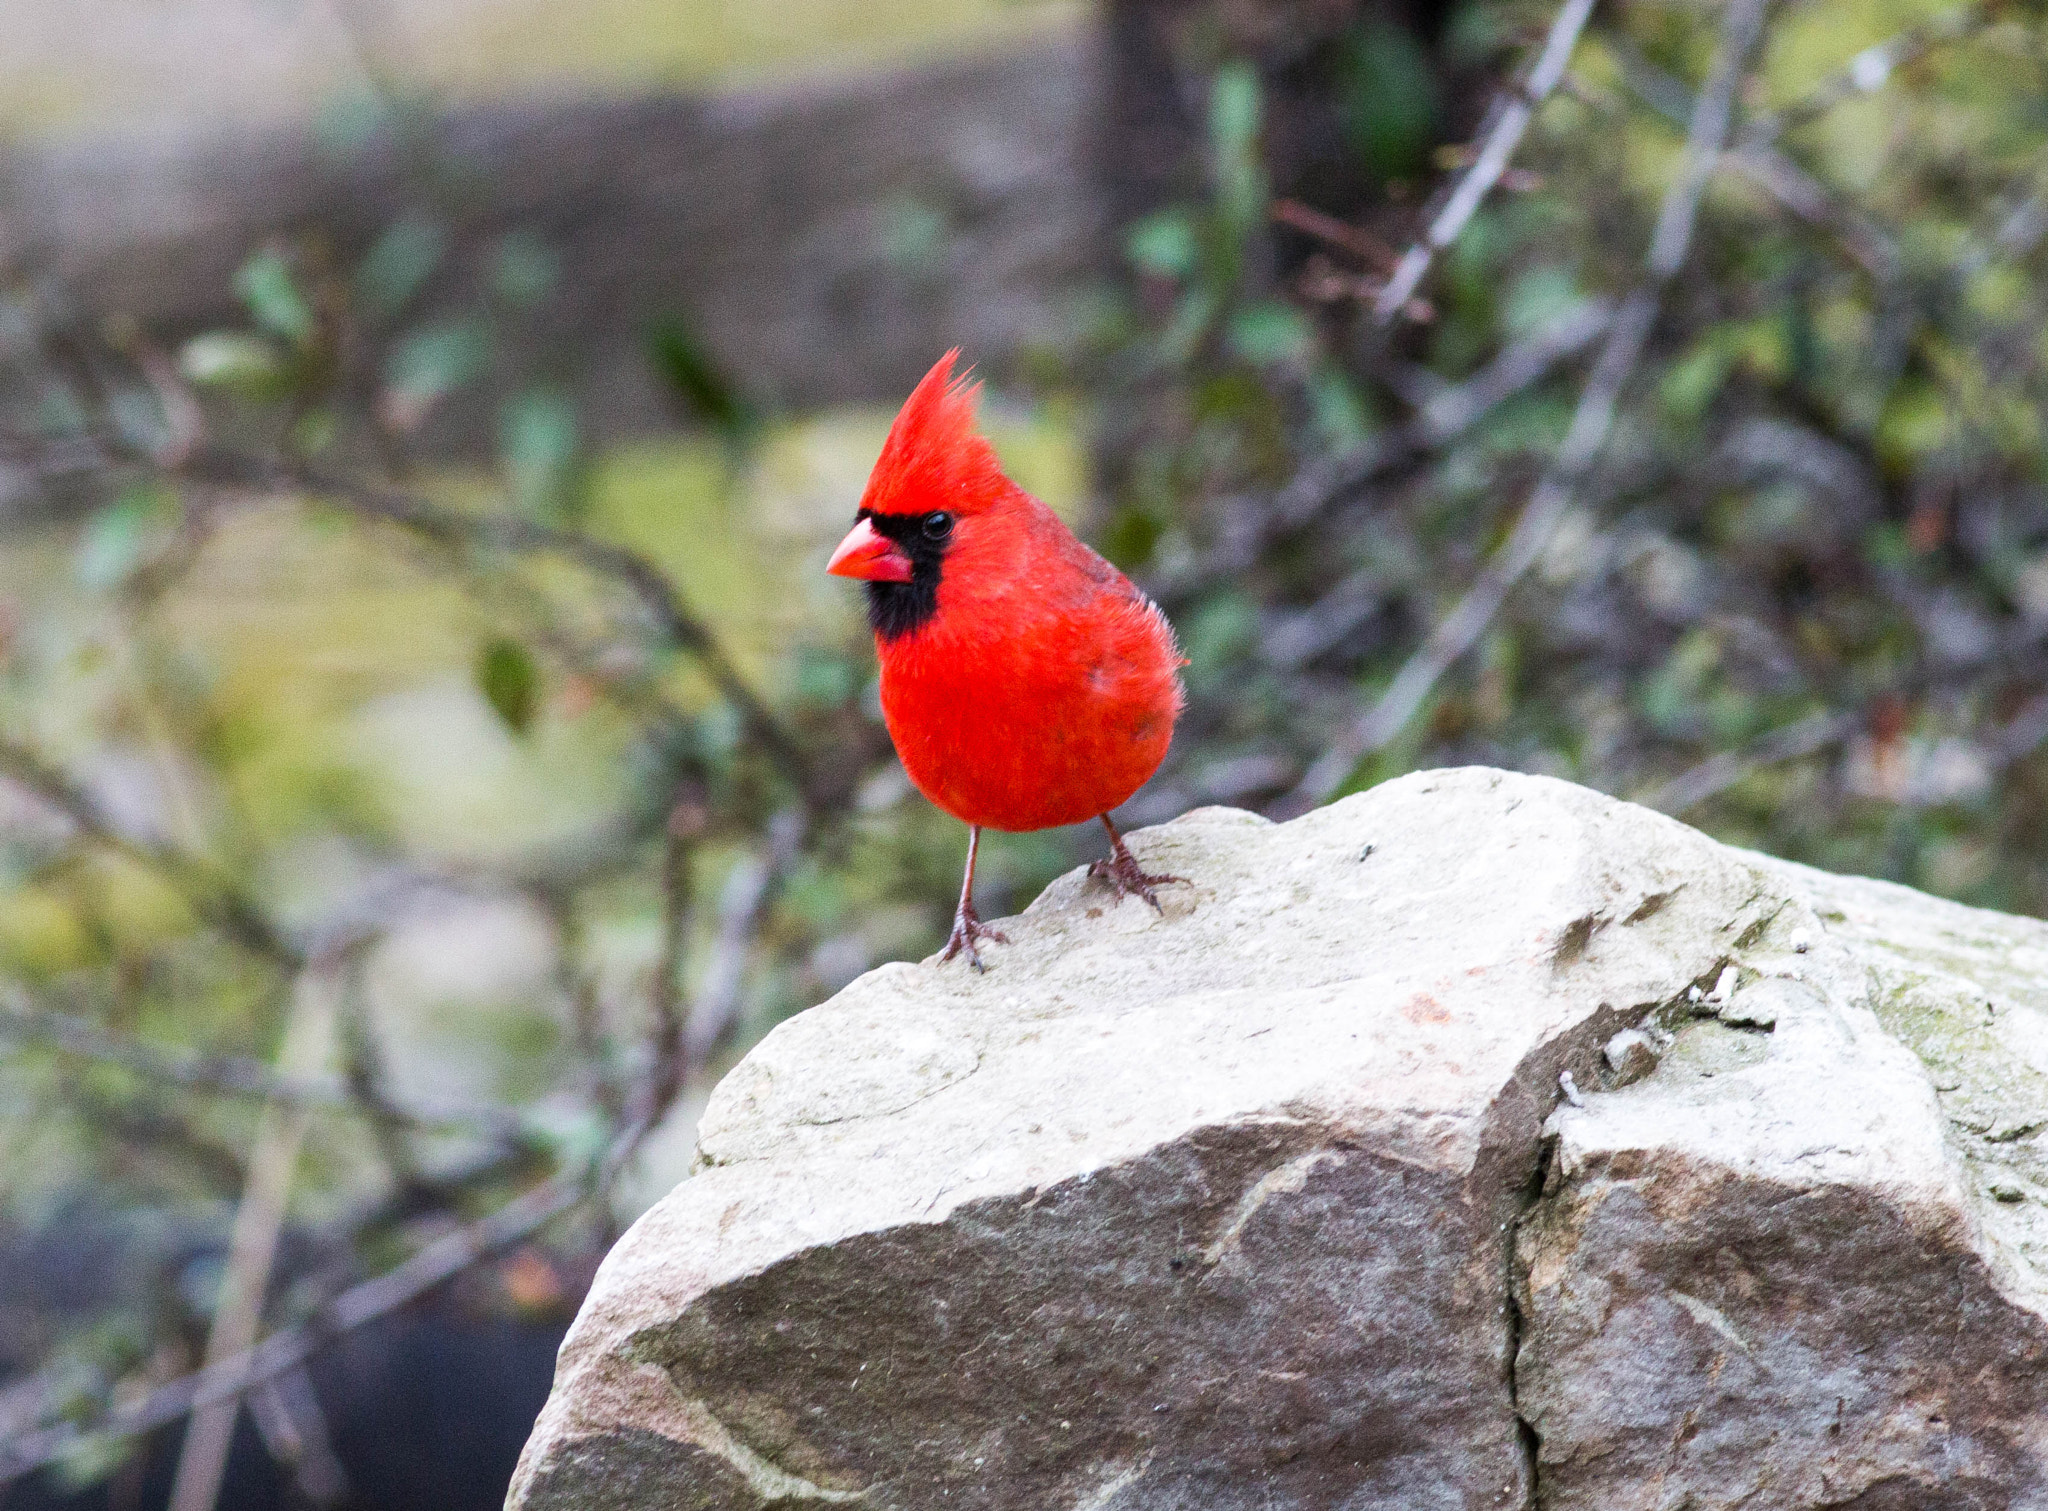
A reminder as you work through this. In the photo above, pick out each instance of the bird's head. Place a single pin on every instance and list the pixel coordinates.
(936, 478)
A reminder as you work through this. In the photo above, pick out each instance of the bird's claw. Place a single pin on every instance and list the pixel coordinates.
(1125, 876)
(967, 928)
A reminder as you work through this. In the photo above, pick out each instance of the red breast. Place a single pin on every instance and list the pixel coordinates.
(1025, 681)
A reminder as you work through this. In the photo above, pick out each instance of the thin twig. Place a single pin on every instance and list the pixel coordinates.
(1719, 772)
(1321, 484)
(227, 1075)
(1510, 117)
(1509, 122)
(1809, 199)
(295, 1432)
(1356, 240)
(366, 1075)
(669, 1057)
(1866, 73)
(1592, 423)
(210, 893)
(494, 532)
(500, 531)
(747, 893)
(434, 1265)
(152, 1129)
(1757, 160)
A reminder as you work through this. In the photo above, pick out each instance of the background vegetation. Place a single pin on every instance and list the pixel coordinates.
(391, 848)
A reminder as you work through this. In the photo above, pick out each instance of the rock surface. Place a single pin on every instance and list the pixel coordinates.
(1802, 1265)
(1274, 1201)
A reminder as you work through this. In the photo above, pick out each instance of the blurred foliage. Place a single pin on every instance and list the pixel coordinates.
(1811, 555)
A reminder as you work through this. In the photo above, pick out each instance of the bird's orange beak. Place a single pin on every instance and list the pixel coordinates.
(868, 554)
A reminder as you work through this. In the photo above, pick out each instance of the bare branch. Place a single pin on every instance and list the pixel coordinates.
(434, 1265)
(2013, 741)
(294, 1430)
(1508, 122)
(669, 1061)
(1757, 160)
(747, 893)
(252, 1245)
(1592, 422)
(1356, 240)
(1805, 196)
(495, 532)
(1866, 73)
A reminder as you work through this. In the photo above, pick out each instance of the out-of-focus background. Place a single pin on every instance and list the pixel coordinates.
(430, 751)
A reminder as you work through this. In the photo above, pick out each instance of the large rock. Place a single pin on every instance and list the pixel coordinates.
(1254, 1204)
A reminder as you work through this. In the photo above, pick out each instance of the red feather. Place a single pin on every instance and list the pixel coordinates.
(934, 457)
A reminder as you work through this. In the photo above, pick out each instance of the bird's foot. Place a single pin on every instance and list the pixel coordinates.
(1125, 876)
(967, 928)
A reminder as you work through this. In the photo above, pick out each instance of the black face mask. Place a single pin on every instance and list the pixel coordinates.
(898, 608)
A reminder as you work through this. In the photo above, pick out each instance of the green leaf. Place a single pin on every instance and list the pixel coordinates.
(400, 262)
(238, 360)
(1163, 243)
(436, 360)
(1269, 332)
(525, 269)
(510, 681)
(695, 379)
(1387, 92)
(119, 537)
(266, 285)
(539, 448)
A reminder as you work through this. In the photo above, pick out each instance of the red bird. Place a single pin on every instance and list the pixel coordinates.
(1025, 681)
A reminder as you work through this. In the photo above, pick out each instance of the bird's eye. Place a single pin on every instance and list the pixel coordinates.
(938, 526)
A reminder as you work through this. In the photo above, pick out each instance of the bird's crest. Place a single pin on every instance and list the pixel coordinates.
(934, 457)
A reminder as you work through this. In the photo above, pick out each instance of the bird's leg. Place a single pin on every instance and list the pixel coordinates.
(1123, 872)
(967, 924)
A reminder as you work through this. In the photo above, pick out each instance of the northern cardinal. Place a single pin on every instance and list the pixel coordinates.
(1025, 681)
